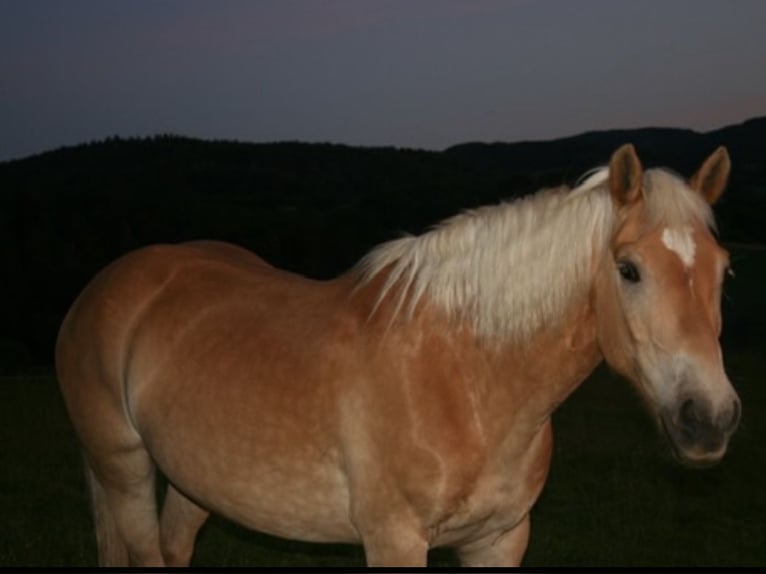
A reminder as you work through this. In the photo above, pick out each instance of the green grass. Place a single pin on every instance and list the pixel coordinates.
(614, 497)
(614, 494)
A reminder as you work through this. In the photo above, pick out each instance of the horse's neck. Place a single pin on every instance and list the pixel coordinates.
(512, 383)
(530, 381)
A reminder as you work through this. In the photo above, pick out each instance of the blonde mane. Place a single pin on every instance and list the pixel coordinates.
(514, 267)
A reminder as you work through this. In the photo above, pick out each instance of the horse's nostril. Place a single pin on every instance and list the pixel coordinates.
(689, 419)
(688, 414)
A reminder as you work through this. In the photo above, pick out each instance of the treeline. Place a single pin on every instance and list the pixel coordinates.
(314, 208)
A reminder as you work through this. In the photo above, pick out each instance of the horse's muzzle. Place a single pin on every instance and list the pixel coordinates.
(698, 434)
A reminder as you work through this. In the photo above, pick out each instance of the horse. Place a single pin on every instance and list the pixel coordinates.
(405, 404)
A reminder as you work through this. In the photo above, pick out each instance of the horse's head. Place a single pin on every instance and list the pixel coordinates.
(658, 301)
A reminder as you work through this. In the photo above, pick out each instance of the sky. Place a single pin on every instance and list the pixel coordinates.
(408, 73)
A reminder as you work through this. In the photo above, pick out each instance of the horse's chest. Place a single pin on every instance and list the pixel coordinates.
(502, 494)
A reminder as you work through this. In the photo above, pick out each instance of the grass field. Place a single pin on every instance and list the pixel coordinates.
(615, 496)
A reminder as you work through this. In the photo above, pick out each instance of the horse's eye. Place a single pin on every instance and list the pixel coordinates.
(628, 271)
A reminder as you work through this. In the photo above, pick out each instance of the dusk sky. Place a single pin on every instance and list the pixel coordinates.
(423, 73)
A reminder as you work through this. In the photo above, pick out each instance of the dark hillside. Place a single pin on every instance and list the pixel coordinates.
(578, 153)
(312, 208)
(679, 148)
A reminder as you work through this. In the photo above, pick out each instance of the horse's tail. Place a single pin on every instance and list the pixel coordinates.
(112, 550)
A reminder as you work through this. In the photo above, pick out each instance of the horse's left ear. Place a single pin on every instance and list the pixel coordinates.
(625, 175)
(710, 180)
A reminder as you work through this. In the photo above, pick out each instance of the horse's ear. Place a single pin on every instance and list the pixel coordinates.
(625, 175)
(710, 180)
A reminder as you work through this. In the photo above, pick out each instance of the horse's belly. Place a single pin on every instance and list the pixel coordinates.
(289, 498)
(310, 505)
(268, 464)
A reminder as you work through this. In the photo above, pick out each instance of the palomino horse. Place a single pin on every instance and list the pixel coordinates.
(406, 404)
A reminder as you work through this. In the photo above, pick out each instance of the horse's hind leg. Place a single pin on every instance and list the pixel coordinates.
(112, 550)
(125, 509)
(179, 525)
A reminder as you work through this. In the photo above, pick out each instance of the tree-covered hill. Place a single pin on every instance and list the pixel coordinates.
(312, 208)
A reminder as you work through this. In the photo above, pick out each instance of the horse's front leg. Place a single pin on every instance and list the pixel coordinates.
(395, 544)
(389, 529)
(505, 549)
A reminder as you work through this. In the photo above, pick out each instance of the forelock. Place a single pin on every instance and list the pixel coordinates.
(669, 201)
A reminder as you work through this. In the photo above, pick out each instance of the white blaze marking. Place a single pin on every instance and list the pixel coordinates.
(680, 242)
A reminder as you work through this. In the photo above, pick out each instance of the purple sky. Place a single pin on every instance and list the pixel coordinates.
(417, 73)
